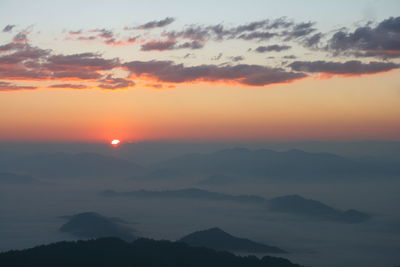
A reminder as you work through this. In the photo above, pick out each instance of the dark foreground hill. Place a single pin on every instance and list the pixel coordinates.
(140, 253)
(216, 238)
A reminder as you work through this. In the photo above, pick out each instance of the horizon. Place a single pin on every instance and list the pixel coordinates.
(132, 127)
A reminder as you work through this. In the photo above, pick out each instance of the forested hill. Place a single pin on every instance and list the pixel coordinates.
(140, 253)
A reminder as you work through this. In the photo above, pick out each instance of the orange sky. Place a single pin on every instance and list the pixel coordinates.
(338, 108)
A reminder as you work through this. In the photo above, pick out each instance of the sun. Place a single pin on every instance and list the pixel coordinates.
(115, 142)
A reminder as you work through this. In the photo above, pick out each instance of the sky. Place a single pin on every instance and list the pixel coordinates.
(93, 71)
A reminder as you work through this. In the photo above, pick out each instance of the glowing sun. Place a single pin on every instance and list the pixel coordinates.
(115, 142)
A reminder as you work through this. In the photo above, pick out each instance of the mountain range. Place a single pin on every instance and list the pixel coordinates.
(290, 204)
(266, 163)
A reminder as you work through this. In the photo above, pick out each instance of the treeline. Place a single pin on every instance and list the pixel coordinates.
(140, 253)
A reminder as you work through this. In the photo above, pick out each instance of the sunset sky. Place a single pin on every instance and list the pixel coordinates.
(288, 70)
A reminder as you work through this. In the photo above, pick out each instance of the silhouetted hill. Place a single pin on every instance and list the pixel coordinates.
(94, 225)
(272, 164)
(140, 253)
(71, 165)
(189, 193)
(295, 204)
(217, 239)
(12, 178)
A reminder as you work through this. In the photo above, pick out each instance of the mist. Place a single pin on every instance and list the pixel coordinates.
(31, 212)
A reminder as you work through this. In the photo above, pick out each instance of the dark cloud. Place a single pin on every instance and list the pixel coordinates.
(170, 45)
(312, 41)
(69, 86)
(289, 57)
(236, 58)
(103, 35)
(19, 60)
(383, 40)
(269, 48)
(155, 24)
(91, 61)
(80, 66)
(194, 33)
(167, 71)
(217, 57)
(198, 35)
(299, 30)
(280, 23)
(158, 45)
(5, 86)
(191, 45)
(24, 53)
(258, 30)
(8, 28)
(112, 83)
(21, 37)
(346, 68)
(189, 55)
(260, 36)
(11, 46)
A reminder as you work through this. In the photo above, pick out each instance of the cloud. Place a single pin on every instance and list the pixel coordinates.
(155, 24)
(236, 58)
(103, 35)
(8, 28)
(257, 30)
(158, 45)
(299, 30)
(83, 61)
(260, 36)
(346, 68)
(196, 36)
(194, 33)
(382, 41)
(112, 83)
(276, 48)
(6, 86)
(217, 57)
(168, 71)
(312, 41)
(69, 86)
(20, 60)
(289, 57)
(170, 45)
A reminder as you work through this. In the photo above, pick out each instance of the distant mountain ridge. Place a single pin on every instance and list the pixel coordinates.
(268, 163)
(216, 238)
(193, 193)
(295, 204)
(140, 253)
(291, 204)
(13, 178)
(56, 165)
